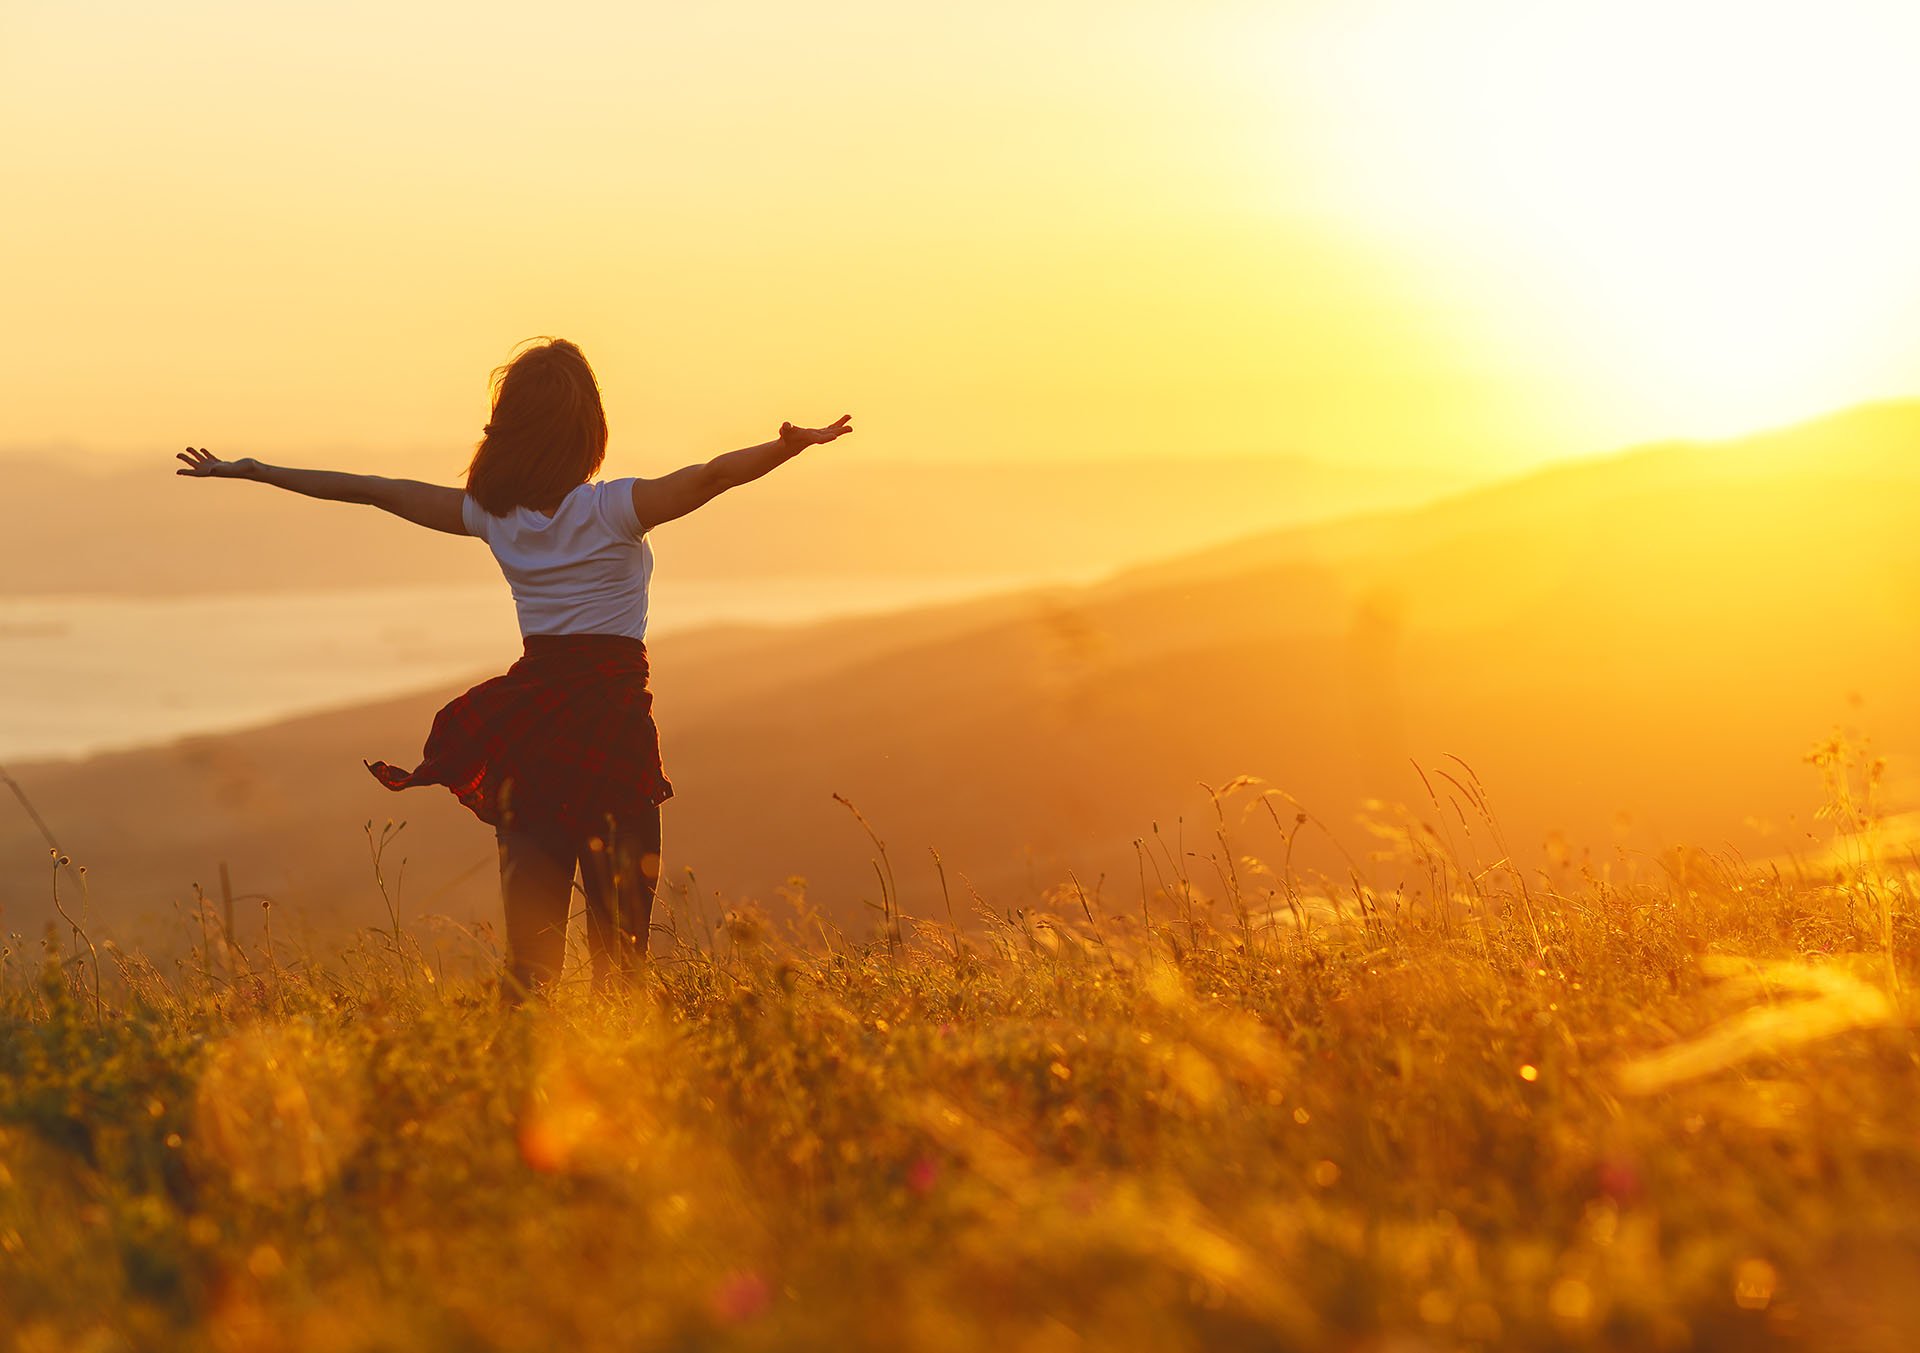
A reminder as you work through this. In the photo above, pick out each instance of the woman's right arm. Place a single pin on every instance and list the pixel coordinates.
(435, 506)
(675, 495)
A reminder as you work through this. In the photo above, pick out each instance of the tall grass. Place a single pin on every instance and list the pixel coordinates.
(1441, 1102)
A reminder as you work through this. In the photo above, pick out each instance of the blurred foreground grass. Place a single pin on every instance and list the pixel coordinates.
(1457, 1107)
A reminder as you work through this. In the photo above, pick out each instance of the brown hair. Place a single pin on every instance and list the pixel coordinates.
(548, 432)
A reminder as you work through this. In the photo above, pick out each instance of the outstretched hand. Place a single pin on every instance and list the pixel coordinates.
(797, 439)
(202, 465)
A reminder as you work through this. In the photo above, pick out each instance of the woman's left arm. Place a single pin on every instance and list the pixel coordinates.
(435, 506)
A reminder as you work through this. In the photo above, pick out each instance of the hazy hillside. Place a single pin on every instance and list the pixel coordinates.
(137, 529)
(1634, 652)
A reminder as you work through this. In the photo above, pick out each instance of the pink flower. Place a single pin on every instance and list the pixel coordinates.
(739, 1296)
(1619, 1179)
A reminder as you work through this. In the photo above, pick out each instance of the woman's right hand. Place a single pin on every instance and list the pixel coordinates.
(200, 464)
(798, 439)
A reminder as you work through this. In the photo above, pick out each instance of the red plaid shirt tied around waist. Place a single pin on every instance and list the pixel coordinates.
(563, 739)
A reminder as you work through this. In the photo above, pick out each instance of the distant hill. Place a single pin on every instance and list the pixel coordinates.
(139, 529)
(1633, 652)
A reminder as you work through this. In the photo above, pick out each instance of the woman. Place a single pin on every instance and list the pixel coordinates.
(559, 755)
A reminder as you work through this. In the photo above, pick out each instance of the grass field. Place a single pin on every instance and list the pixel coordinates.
(1439, 1104)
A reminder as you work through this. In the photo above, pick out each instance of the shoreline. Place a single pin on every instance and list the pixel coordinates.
(718, 607)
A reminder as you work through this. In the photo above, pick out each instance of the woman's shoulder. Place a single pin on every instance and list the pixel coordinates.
(613, 504)
(603, 505)
(474, 517)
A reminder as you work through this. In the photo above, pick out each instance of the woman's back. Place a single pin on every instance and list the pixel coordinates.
(559, 754)
(584, 569)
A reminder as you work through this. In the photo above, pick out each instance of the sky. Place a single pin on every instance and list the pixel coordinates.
(1479, 234)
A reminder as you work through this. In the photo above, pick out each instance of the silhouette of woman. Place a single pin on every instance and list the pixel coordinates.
(560, 754)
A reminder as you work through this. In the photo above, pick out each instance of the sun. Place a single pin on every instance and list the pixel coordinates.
(1716, 203)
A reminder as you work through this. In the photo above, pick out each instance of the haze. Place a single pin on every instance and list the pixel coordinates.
(1476, 235)
(1368, 288)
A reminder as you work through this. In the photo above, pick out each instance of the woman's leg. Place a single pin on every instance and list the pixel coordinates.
(619, 875)
(536, 884)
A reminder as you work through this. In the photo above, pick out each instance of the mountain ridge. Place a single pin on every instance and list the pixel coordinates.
(145, 531)
(1633, 652)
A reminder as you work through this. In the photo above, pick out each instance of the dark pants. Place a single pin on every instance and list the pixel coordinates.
(618, 875)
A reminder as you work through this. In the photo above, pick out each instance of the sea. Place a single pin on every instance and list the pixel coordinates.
(81, 675)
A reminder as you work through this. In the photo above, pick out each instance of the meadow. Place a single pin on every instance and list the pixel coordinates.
(1439, 1102)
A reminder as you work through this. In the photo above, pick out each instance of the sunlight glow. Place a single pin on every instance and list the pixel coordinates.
(1473, 235)
(1714, 198)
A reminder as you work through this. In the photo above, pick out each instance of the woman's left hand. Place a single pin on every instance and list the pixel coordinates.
(200, 464)
(800, 438)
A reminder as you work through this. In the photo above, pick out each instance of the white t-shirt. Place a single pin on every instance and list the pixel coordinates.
(584, 570)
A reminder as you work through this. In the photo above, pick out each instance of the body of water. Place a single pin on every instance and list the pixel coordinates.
(83, 674)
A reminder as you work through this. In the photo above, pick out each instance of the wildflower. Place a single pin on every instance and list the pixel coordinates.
(739, 1296)
(1619, 1179)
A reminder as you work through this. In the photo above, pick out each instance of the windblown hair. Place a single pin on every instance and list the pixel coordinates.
(548, 432)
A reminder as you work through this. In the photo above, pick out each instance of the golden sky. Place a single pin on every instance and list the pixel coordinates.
(1479, 233)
